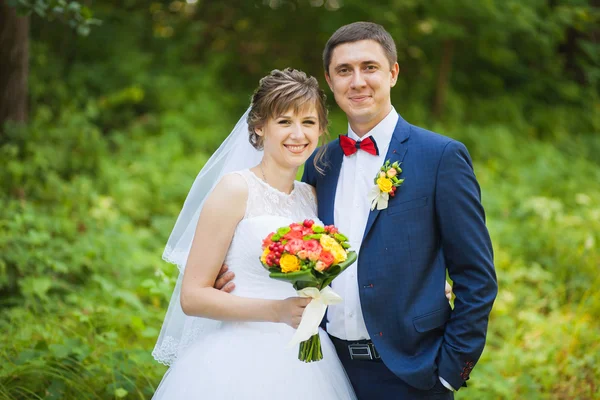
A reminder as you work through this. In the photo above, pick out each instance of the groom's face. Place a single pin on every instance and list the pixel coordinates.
(361, 78)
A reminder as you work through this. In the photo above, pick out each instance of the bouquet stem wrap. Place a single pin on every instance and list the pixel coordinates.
(307, 334)
(314, 312)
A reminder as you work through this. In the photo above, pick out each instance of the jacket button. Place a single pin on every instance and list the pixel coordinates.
(371, 285)
(380, 333)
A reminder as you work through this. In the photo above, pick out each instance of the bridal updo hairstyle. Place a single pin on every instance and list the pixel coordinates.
(281, 91)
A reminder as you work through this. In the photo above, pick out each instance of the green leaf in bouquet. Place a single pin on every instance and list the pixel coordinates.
(345, 245)
(283, 231)
(335, 270)
(304, 276)
(275, 238)
(340, 237)
(316, 236)
(318, 229)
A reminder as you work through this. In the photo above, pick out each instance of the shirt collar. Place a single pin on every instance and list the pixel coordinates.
(382, 132)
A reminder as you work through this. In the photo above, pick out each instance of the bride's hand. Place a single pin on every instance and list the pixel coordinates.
(448, 291)
(289, 311)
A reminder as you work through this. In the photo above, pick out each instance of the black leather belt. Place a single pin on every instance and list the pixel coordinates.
(361, 350)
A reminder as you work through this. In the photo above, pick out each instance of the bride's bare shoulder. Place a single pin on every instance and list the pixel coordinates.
(230, 194)
(234, 184)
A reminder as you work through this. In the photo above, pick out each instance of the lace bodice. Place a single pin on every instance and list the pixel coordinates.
(266, 210)
(265, 200)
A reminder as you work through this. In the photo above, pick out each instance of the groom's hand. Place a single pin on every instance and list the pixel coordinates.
(224, 280)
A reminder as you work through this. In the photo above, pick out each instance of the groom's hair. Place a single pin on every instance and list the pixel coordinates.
(360, 31)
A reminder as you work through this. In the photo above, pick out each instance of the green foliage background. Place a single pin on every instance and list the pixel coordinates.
(123, 119)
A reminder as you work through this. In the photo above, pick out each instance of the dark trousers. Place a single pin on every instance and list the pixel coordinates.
(372, 380)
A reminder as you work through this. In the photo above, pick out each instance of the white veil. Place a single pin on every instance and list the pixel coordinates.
(235, 154)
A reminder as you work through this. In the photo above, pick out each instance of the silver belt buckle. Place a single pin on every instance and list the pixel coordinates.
(374, 351)
(363, 352)
(360, 352)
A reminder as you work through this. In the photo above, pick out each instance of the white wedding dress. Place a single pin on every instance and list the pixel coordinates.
(252, 360)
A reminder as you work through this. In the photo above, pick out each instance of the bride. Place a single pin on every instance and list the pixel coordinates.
(234, 346)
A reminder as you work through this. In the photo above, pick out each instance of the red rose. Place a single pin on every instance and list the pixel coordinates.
(331, 229)
(311, 245)
(326, 257)
(294, 246)
(307, 231)
(296, 227)
(293, 234)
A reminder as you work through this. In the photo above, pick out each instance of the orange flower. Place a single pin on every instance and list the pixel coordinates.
(327, 258)
(267, 241)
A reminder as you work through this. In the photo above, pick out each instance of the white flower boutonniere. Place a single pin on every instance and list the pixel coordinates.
(386, 184)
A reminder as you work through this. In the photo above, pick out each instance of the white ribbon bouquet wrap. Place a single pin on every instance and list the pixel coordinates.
(314, 312)
(310, 257)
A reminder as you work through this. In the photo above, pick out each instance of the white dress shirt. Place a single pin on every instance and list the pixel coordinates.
(351, 211)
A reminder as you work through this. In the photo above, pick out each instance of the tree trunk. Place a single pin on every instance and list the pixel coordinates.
(14, 65)
(443, 77)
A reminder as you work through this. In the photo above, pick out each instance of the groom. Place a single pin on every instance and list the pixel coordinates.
(395, 333)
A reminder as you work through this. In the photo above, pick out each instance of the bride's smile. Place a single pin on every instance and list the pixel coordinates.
(290, 138)
(296, 148)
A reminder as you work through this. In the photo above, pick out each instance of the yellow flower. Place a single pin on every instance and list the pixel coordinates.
(332, 246)
(289, 263)
(339, 255)
(385, 184)
(265, 253)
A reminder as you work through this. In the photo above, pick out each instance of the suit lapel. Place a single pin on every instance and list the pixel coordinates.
(396, 152)
(330, 181)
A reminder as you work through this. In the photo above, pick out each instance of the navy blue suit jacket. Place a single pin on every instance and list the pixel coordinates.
(434, 223)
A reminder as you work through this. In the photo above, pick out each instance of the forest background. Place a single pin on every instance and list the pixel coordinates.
(108, 110)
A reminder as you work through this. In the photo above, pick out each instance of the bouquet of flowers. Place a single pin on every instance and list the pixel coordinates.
(309, 256)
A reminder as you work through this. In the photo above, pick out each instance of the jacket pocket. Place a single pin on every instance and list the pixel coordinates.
(406, 205)
(432, 320)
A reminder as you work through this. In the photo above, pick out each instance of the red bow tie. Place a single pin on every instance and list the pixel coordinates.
(350, 146)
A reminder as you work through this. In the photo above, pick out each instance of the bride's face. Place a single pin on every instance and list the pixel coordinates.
(290, 138)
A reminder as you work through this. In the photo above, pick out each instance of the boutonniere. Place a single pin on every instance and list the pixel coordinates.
(386, 184)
